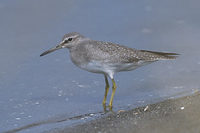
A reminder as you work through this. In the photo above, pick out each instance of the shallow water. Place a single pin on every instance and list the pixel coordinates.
(37, 89)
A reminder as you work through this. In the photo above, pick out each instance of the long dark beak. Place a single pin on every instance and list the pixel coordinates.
(52, 49)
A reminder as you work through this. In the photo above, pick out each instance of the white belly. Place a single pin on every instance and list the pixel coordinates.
(110, 69)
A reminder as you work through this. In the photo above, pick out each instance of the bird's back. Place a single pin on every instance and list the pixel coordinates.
(115, 53)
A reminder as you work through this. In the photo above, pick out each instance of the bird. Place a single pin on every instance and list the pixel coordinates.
(106, 58)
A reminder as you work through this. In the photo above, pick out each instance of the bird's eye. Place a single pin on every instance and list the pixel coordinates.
(69, 39)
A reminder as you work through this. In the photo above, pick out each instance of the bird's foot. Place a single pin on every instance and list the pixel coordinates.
(107, 108)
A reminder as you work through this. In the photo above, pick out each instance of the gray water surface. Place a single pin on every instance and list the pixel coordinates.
(51, 88)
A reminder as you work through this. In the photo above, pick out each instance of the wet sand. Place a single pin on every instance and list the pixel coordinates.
(180, 115)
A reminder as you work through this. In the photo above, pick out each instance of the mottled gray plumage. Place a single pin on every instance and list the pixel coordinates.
(114, 53)
(106, 57)
(84, 51)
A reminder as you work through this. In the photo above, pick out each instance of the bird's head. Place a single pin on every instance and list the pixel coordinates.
(69, 40)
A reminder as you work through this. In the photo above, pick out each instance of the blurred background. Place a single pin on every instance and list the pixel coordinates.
(37, 88)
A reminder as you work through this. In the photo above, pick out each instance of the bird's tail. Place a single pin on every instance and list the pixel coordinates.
(162, 55)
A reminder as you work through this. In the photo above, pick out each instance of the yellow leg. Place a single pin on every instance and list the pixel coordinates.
(113, 92)
(106, 90)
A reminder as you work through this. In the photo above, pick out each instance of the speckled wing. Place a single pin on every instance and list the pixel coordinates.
(114, 53)
(111, 53)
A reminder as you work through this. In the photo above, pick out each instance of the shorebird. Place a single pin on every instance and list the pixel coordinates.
(106, 58)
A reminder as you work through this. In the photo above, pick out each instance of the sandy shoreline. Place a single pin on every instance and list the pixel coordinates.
(169, 116)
